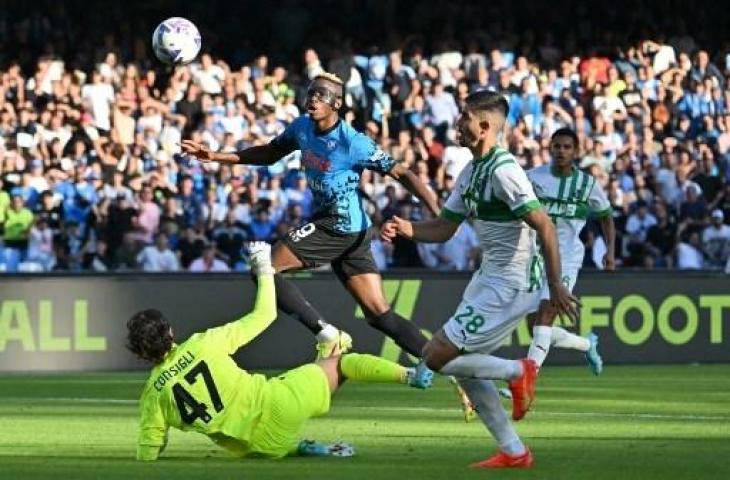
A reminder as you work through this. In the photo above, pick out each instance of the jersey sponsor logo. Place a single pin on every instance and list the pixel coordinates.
(302, 232)
(315, 162)
(560, 208)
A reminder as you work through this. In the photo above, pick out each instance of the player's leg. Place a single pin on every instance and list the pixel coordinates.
(358, 273)
(370, 368)
(562, 338)
(512, 452)
(444, 357)
(486, 317)
(546, 334)
(367, 290)
(541, 323)
(305, 392)
(293, 397)
(363, 368)
(298, 250)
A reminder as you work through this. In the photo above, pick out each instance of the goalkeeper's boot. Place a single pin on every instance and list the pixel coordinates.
(595, 362)
(420, 376)
(342, 343)
(503, 460)
(310, 448)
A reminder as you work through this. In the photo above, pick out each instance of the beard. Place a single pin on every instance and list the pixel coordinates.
(466, 139)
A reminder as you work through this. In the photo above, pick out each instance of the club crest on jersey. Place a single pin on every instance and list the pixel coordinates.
(331, 144)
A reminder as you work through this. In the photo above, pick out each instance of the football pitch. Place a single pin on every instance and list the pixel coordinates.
(669, 422)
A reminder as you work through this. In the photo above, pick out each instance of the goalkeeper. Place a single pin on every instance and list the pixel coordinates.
(196, 386)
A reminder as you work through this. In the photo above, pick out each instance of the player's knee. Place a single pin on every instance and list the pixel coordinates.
(432, 356)
(376, 318)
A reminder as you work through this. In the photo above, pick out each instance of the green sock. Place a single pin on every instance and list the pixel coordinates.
(369, 368)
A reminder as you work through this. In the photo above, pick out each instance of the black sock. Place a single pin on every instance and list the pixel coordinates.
(290, 300)
(406, 334)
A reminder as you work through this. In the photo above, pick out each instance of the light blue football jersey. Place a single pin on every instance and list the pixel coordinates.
(333, 161)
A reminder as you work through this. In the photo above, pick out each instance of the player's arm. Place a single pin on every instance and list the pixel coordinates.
(561, 298)
(512, 186)
(366, 154)
(415, 186)
(153, 428)
(437, 230)
(238, 333)
(609, 233)
(257, 155)
(601, 208)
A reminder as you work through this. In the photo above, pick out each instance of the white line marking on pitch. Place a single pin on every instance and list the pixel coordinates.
(664, 416)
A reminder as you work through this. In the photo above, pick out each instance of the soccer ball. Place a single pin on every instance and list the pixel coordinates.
(176, 41)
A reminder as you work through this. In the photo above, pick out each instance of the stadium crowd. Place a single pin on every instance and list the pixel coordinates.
(91, 178)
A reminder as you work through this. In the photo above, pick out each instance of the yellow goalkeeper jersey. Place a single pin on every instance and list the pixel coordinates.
(198, 387)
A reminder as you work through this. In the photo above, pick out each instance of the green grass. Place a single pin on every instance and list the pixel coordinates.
(631, 423)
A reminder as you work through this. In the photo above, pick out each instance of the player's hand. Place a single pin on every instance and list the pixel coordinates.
(394, 227)
(260, 258)
(197, 150)
(564, 302)
(609, 263)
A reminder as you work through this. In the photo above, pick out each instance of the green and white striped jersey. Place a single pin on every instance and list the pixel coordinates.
(568, 200)
(495, 192)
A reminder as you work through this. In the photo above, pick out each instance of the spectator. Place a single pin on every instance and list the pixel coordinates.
(661, 240)
(40, 245)
(48, 211)
(716, 241)
(207, 262)
(18, 222)
(442, 110)
(262, 227)
(125, 257)
(98, 260)
(158, 257)
(189, 202)
(652, 118)
(147, 220)
(461, 251)
(689, 253)
(191, 246)
(639, 223)
(694, 208)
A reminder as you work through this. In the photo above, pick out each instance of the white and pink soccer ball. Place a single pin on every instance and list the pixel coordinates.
(176, 41)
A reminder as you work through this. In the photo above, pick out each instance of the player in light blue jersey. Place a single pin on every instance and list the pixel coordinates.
(333, 156)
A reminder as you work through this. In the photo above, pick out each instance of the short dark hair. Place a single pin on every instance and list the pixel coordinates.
(487, 101)
(565, 132)
(148, 335)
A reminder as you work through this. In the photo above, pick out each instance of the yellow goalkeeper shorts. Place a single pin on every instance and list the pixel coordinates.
(293, 397)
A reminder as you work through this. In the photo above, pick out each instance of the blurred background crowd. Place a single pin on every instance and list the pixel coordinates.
(91, 178)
